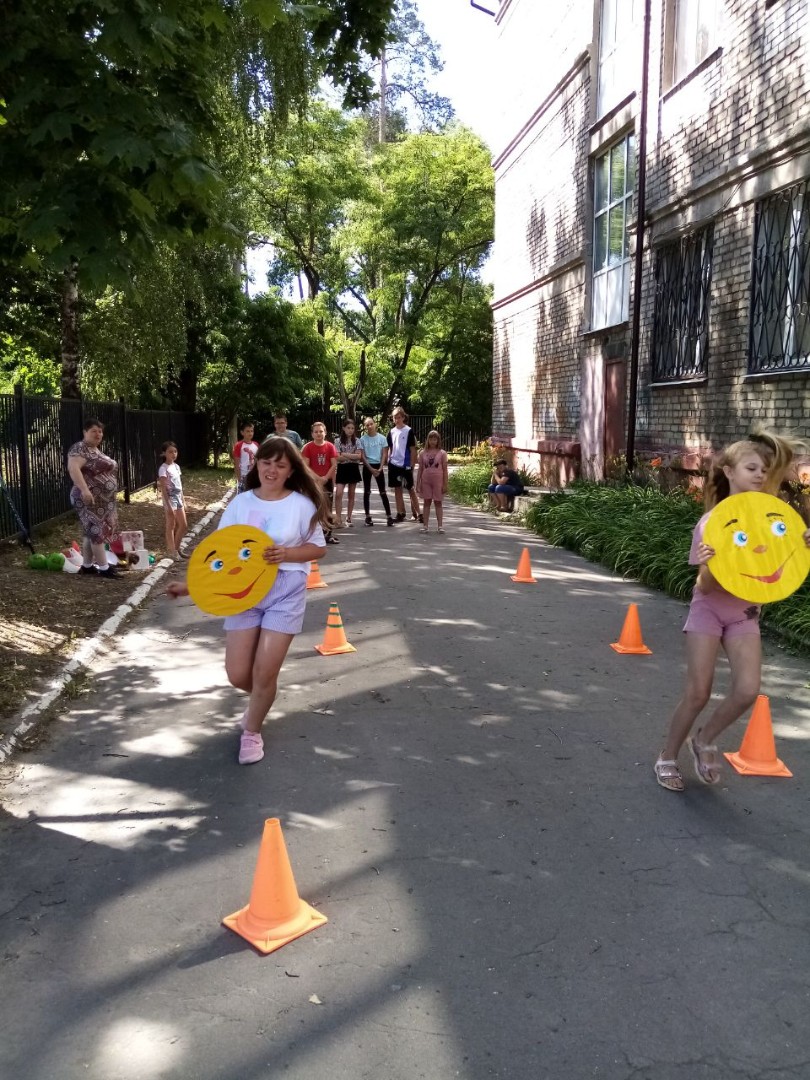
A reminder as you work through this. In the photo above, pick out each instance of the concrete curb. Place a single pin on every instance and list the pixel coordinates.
(28, 718)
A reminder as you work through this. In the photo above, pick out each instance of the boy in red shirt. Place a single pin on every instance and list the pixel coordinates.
(243, 454)
(321, 458)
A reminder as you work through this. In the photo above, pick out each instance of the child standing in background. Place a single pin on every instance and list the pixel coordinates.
(374, 449)
(244, 454)
(171, 487)
(348, 471)
(321, 458)
(431, 479)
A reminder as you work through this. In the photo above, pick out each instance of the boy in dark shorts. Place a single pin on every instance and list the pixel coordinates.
(401, 456)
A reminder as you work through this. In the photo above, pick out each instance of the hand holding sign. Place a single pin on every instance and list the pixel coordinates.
(760, 553)
(227, 572)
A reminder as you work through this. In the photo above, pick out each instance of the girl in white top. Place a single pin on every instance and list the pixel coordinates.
(284, 500)
(171, 488)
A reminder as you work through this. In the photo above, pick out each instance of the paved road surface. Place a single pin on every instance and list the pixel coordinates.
(469, 799)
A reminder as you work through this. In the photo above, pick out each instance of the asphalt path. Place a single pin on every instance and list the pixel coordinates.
(468, 798)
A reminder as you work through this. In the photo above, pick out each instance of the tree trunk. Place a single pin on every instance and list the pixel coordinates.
(70, 382)
(383, 93)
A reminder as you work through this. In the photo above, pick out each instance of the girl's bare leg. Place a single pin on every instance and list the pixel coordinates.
(350, 501)
(171, 547)
(439, 513)
(426, 512)
(240, 650)
(269, 656)
(180, 527)
(745, 660)
(701, 657)
(339, 504)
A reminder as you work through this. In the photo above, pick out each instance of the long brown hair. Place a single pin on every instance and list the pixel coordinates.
(776, 451)
(300, 479)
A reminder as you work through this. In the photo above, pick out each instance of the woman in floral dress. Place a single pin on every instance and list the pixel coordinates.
(95, 483)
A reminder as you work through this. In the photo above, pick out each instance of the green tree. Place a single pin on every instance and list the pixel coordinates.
(112, 121)
(384, 238)
(428, 224)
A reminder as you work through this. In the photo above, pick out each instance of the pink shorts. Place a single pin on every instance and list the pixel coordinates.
(431, 484)
(721, 615)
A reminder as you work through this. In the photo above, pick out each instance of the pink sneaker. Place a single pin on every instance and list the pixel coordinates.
(251, 748)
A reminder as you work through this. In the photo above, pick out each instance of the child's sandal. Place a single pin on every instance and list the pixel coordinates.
(668, 775)
(708, 765)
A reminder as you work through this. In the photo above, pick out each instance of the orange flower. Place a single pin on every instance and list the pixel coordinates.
(656, 461)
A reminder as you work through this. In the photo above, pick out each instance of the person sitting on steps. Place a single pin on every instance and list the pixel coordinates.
(504, 486)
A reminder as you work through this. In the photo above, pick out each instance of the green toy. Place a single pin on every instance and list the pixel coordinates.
(37, 562)
(56, 560)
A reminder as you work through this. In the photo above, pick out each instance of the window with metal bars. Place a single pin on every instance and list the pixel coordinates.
(683, 278)
(779, 337)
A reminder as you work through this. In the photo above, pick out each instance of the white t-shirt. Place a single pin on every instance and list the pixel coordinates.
(172, 474)
(246, 452)
(286, 521)
(399, 446)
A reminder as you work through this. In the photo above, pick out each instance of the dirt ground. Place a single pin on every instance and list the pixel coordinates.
(43, 614)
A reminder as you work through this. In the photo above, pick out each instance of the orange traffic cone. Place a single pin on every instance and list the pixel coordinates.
(314, 579)
(524, 570)
(757, 755)
(275, 913)
(334, 639)
(630, 637)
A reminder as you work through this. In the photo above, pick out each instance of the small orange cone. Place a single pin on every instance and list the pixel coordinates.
(314, 579)
(630, 637)
(524, 570)
(275, 913)
(334, 639)
(757, 755)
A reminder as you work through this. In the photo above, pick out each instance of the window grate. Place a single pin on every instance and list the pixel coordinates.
(779, 338)
(683, 278)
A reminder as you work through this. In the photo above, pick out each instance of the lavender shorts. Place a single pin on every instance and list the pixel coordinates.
(281, 610)
(721, 615)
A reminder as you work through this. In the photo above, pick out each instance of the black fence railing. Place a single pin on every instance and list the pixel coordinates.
(37, 432)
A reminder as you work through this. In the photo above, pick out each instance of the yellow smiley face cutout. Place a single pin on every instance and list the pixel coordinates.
(227, 573)
(760, 554)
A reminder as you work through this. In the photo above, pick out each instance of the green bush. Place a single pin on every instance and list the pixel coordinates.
(468, 485)
(643, 533)
(632, 530)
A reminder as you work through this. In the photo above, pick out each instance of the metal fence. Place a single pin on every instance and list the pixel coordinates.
(37, 432)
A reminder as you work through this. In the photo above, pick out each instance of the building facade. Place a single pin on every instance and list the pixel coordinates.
(724, 326)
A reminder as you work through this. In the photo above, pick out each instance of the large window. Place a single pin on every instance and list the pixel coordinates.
(614, 177)
(683, 278)
(619, 52)
(696, 31)
(780, 285)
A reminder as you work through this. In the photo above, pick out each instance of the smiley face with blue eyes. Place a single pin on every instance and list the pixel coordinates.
(760, 551)
(227, 573)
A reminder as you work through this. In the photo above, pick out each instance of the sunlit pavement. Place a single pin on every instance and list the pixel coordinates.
(470, 800)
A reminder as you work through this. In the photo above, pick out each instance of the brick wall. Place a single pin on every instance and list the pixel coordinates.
(541, 233)
(733, 131)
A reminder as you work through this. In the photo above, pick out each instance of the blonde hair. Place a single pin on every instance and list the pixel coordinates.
(430, 435)
(777, 453)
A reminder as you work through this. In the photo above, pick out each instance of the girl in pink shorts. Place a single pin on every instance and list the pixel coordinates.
(758, 463)
(431, 479)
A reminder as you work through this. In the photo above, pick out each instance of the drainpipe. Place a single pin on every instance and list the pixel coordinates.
(640, 231)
